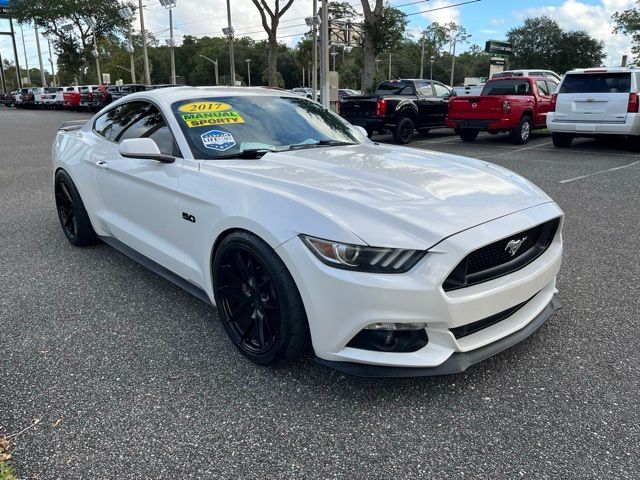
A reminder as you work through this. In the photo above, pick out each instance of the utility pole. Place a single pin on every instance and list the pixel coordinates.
(389, 65)
(314, 52)
(229, 33)
(53, 70)
(43, 78)
(248, 60)
(333, 54)
(3, 80)
(215, 68)
(424, 38)
(454, 39)
(97, 54)
(15, 53)
(147, 76)
(324, 54)
(431, 69)
(24, 49)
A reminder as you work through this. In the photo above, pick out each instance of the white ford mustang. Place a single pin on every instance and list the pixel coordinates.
(384, 260)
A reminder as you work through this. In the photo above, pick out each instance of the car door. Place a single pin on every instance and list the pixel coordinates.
(543, 102)
(139, 197)
(443, 94)
(427, 102)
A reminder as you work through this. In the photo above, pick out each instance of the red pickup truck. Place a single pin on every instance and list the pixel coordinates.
(516, 105)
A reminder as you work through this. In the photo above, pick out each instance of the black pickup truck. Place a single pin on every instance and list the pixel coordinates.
(401, 106)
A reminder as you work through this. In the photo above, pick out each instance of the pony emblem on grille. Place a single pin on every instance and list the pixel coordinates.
(514, 245)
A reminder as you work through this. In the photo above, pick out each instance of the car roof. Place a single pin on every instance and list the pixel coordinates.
(602, 70)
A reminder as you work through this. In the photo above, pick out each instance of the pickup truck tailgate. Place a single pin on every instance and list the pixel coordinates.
(358, 107)
(485, 107)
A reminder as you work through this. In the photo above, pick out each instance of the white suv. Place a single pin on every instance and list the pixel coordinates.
(595, 101)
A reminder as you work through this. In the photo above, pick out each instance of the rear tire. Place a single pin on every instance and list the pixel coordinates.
(403, 131)
(521, 134)
(561, 140)
(469, 134)
(73, 217)
(258, 301)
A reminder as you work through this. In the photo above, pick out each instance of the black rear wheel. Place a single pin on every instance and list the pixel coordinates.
(403, 131)
(469, 134)
(561, 140)
(258, 301)
(73, 217)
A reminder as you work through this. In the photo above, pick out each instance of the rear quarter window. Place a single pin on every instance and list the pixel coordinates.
(596, 83)
(507, 87)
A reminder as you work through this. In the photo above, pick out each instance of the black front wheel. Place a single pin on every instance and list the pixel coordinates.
(258, 301)
(73, 217)
(403, 131)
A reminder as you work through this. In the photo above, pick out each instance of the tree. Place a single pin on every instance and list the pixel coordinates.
(541, 43)
(271, 27)
(628, 22)
(75, 46)
(384, 28)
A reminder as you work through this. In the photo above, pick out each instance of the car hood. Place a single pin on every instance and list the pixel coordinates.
(392, 196)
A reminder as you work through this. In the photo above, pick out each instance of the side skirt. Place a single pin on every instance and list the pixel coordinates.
(158, 269)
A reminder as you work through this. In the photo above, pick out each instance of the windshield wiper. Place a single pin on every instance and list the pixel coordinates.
(319, 143)
(248, 153)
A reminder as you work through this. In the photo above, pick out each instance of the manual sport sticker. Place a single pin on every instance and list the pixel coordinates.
(204, 119)
(218, 140)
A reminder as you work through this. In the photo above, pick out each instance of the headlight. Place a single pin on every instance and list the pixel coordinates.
(362, 258)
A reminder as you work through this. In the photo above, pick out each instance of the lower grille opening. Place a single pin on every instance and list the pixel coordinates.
(471, 328)
(400, 341)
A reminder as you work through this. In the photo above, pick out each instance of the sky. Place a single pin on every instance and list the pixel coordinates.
(484, 19)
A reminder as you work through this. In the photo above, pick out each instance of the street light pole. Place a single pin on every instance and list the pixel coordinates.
(248, 60)
(314, 52)
(24, 49)
(333, 54)
(95, 52)
(422, 56)
(147, 75)
(454, 39)
(215, 65)
(43, 78)
(431, 70)
(127, 14)
(324, 54)
(389, 65)
(229, 33)
(170, 5)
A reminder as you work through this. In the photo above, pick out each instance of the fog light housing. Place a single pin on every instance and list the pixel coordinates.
(391, 337)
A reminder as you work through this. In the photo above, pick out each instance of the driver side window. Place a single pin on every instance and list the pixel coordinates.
(144, 120)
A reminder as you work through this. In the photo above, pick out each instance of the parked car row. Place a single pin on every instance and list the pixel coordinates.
(85, 97)
(588, 103)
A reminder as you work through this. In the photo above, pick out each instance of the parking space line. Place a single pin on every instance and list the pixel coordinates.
(573, 150)
(599, 172)
(515, 151)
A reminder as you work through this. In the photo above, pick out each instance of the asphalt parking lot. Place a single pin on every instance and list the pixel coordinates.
(135, 379)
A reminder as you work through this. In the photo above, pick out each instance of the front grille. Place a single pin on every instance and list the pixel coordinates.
(495, 260)
(474, 327)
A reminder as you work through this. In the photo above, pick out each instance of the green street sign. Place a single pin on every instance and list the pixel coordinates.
(496, 47)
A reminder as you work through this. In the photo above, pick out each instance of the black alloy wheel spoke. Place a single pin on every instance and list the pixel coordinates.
(248, 300)
(64, 189)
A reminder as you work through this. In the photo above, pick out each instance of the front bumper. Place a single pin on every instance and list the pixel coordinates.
(340, 303)
(457, 362)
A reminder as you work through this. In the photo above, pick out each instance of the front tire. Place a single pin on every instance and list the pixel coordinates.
(258, 301)
(561, 140)
(521, 134)
(403, 131)
(73, 217)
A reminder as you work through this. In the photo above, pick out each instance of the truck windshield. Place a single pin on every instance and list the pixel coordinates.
(395, 88)
(226, 126)
(618, 82)
(507, 87)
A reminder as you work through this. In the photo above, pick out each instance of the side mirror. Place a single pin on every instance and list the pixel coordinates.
(144, 148)
(361, 130)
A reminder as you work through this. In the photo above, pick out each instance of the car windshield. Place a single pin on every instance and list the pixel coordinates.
(614, 82)
(507, 87)
(224, 127)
